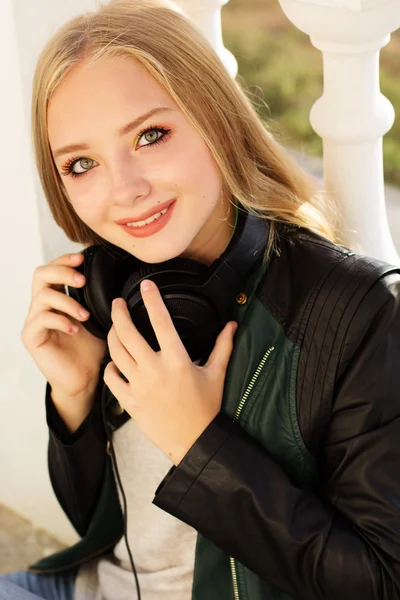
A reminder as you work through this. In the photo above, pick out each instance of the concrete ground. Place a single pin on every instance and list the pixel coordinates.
(20, 543)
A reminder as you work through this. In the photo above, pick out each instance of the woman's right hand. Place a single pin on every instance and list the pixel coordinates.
(65, 352)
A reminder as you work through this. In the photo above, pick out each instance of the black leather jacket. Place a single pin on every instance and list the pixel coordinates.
(340, 539)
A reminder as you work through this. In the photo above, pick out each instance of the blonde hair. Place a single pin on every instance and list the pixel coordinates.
(257, 173)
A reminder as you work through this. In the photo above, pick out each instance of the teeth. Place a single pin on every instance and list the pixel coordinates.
(149, 220)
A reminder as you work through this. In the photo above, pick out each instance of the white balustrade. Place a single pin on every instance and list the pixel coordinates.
(352, 115)
(206, 15)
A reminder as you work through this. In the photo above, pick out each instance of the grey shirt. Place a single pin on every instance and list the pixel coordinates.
(163, 548)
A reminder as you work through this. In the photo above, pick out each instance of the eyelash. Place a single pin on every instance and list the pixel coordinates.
(69, 165)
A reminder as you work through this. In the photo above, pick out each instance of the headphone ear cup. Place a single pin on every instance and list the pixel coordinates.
(98, 292)
(195, 317)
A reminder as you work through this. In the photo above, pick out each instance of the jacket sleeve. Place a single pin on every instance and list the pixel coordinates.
(76, 461)
(344, 541)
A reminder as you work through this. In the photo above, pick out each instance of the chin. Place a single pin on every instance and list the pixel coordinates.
(156, 255)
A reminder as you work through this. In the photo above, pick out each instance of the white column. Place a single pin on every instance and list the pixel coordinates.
(206, 15)
(28, 238)
(352, 115)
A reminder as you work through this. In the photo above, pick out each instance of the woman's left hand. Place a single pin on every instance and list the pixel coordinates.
(171, 399)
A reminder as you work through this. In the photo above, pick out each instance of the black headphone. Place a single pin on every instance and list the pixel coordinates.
(197, 297)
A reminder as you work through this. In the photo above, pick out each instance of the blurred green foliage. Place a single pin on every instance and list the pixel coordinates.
(282, 73)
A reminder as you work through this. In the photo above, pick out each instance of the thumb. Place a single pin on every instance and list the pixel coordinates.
(219, 357)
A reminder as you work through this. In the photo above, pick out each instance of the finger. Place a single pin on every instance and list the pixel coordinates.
(128, 335)
(120, 356)
(117, 386)
(161, 321)
(72, 258)
(53, 275)
(50, 299)
(36, 332)
(219, 357)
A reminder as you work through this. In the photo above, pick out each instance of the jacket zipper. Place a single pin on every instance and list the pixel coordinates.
(252, 383)
(235, 419)
(234, 579)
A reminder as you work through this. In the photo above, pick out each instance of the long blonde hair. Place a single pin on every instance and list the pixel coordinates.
(257, 173)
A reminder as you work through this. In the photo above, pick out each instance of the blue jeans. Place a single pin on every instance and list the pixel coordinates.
(27, 586)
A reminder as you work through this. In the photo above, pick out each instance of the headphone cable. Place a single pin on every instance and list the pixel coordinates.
(111, 452)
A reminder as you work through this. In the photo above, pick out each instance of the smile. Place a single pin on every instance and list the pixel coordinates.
(151, 225)
(149, 220)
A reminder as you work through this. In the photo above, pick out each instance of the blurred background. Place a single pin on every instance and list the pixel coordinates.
(283, 74)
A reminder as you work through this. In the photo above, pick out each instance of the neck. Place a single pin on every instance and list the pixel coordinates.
(215, 236)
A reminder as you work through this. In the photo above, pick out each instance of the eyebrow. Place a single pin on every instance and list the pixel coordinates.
(123, 131)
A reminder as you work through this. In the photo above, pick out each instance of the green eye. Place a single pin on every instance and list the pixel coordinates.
(78, 166)
(151, 136)
(84, 163)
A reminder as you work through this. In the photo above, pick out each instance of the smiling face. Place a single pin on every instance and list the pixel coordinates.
(130, 168)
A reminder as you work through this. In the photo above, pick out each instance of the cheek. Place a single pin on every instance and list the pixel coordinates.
(86, 201)
(209, 184)
(202, 172)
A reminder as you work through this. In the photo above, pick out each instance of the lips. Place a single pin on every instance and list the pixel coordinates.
(146, 215)
(153, 227)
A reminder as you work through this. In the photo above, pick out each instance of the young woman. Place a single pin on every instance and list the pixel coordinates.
(268, 469)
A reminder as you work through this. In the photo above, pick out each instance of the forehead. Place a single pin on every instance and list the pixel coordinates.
(108, 92)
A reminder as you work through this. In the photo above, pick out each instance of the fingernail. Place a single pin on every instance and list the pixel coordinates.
(146, 285)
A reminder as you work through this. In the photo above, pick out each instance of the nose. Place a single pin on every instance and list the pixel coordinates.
(128, 184)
